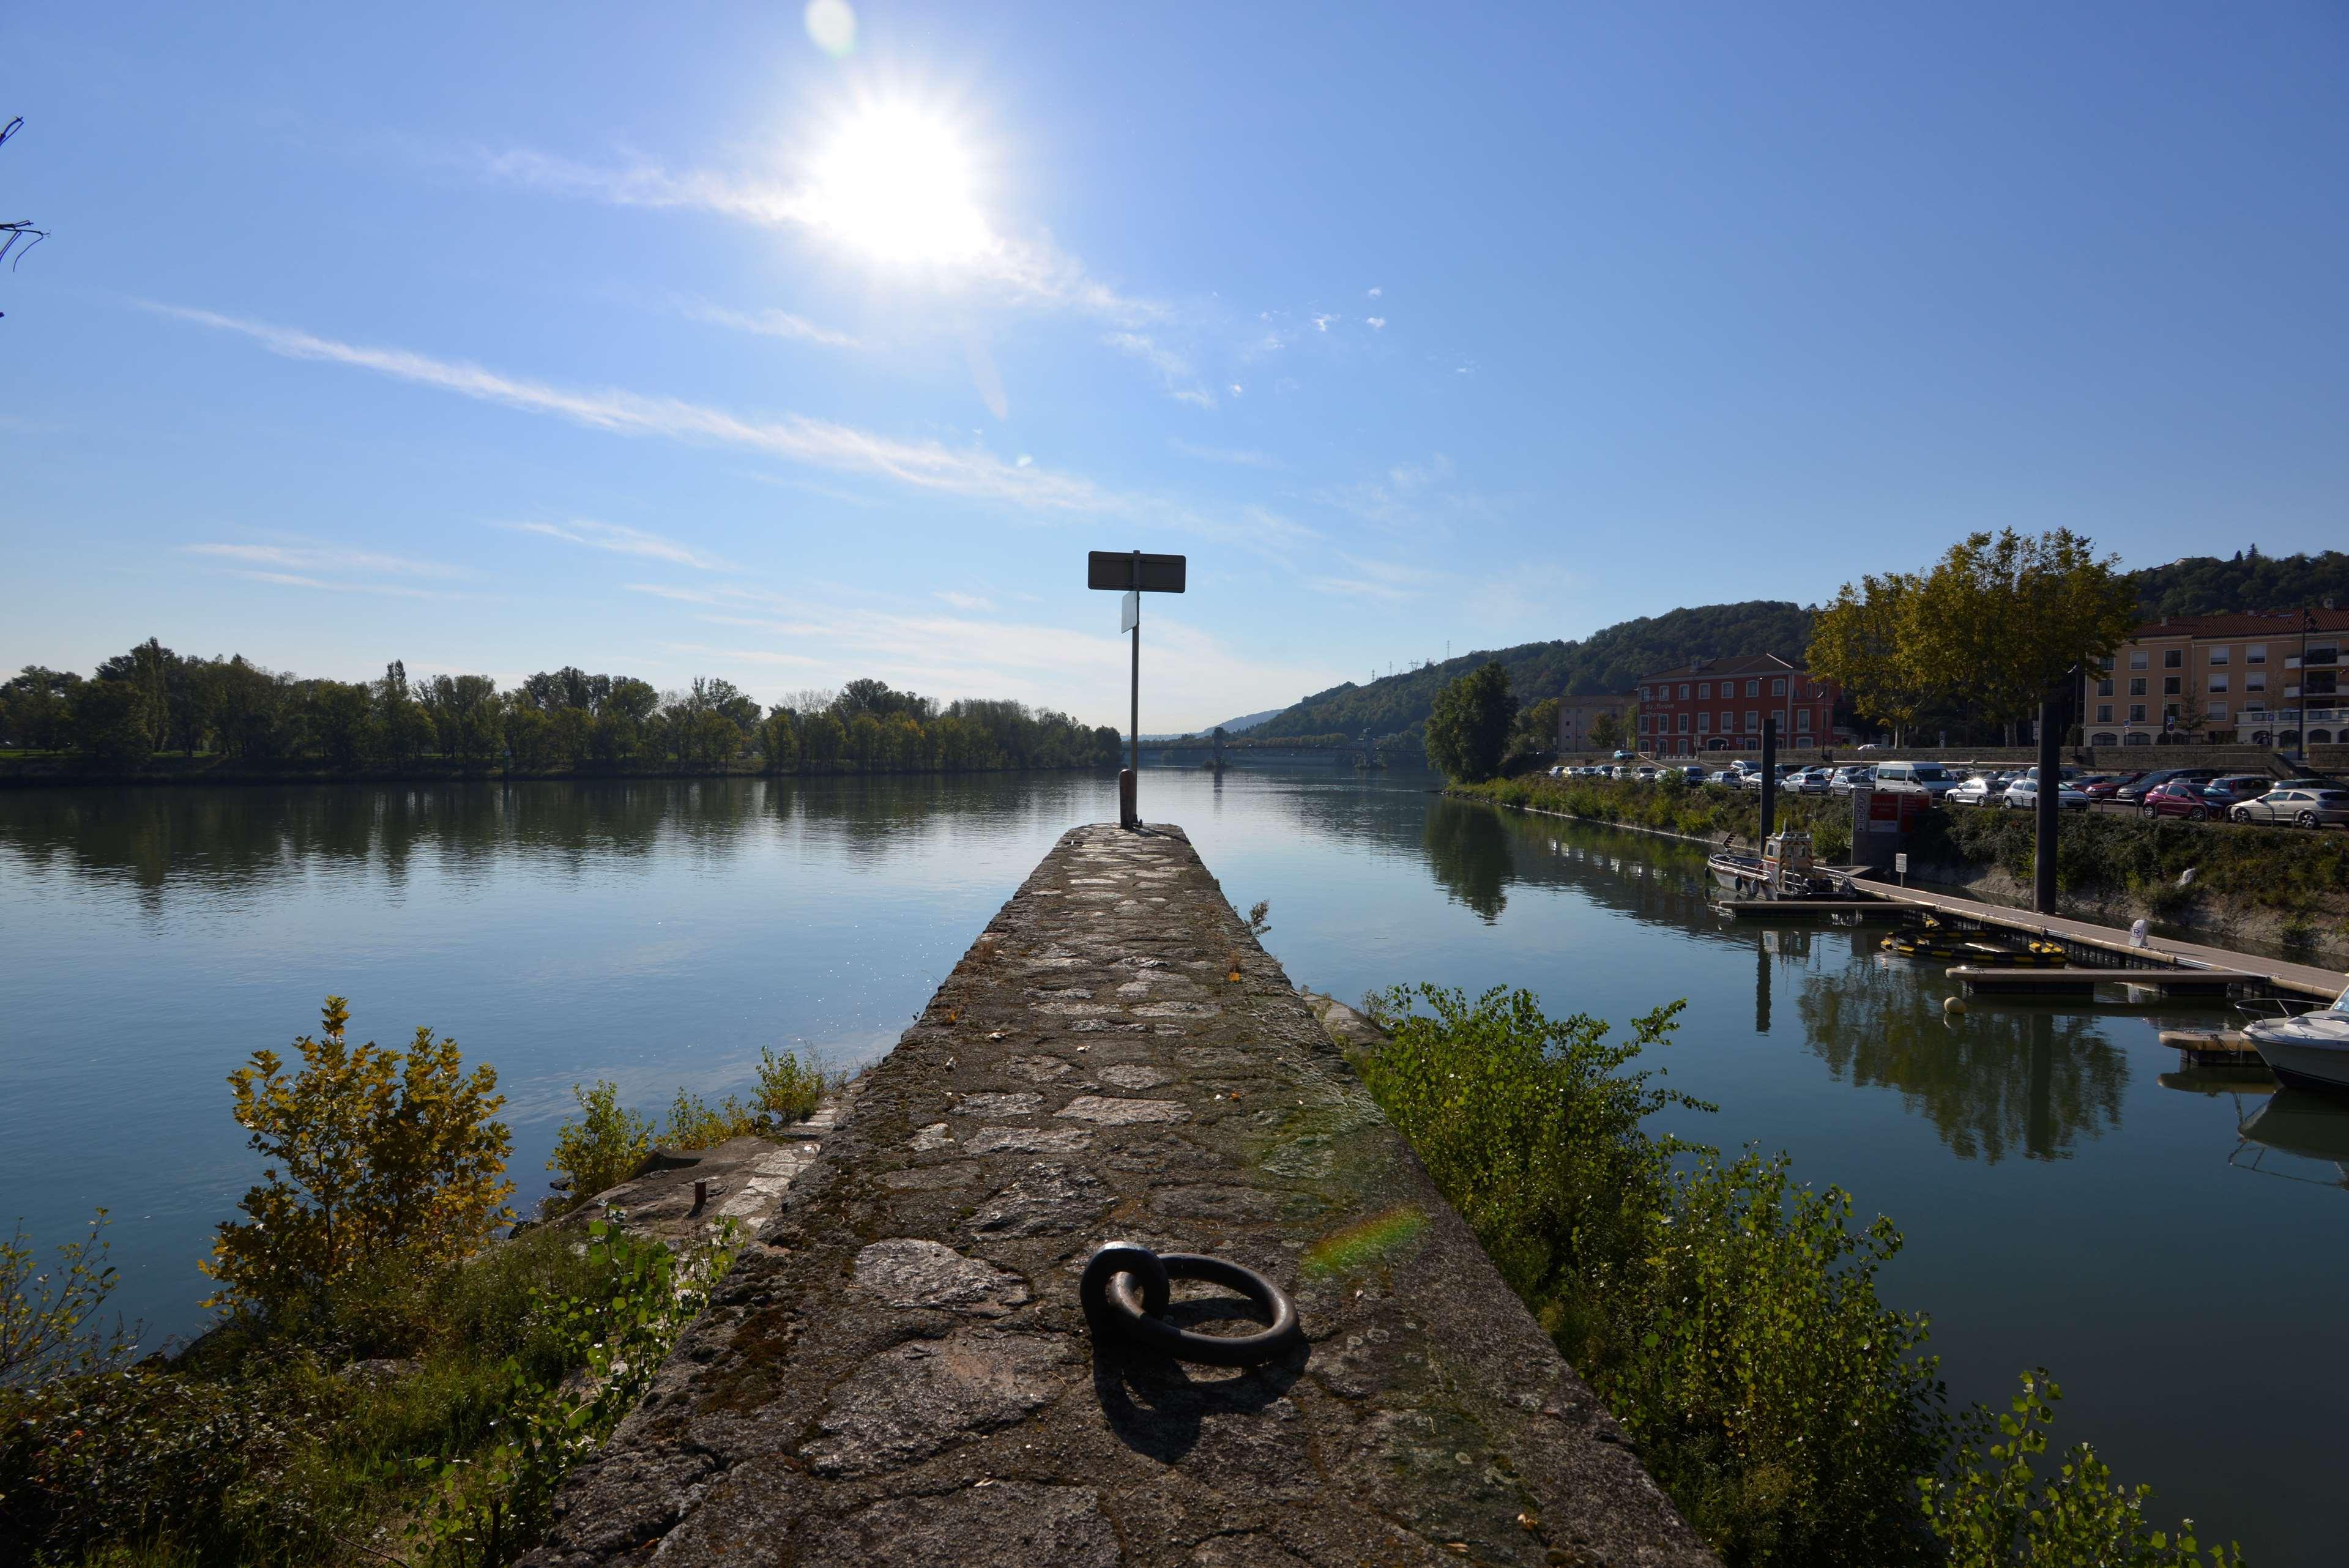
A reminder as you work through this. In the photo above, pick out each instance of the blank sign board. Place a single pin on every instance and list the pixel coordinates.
(1126, 569)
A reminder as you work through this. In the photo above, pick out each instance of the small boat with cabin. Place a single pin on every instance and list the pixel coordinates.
(2308, 1049)
(1783, 871)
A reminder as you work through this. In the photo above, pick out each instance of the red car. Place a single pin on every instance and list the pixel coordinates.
(2104, 789)
(2178, 797)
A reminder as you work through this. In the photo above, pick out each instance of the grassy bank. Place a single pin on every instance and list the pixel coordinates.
(2295, 880)
(1726, 1313)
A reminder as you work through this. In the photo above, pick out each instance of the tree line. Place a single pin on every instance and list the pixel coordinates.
(151, 701)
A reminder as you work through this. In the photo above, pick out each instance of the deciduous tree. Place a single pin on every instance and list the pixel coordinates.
(1468, 728)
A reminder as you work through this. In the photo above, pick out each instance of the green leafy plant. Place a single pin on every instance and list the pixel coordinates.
(51, 1319)
(695, 1123)
(788, 1088)
(2003, 1508)
(487, 1509)
(605, 1145)
(373, 1152)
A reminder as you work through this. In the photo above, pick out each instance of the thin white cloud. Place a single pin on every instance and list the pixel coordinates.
(320, 585)
(1376, 293)
(1032, 272)
(314, 558)
(1387, 582)
(1378, 323)
(620, 540)
(1410, 495)
(967, 471)
(964, 600)
(780, 324)
(1175, 373)
(1321, 323)
(1236, 458)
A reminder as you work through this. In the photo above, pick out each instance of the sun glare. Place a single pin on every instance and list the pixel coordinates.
(897, 184)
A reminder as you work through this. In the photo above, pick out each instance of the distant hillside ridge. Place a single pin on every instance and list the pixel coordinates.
(1610, 660)
(1246, 721)
(2251, 582)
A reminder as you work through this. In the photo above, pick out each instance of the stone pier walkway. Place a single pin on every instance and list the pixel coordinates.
(897, 1372)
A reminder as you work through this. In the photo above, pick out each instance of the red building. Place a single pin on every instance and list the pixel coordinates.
(1718, 704)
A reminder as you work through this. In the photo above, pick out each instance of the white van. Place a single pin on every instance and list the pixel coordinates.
(1930, 777)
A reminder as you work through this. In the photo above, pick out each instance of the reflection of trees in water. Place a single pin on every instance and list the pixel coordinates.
(212, 839)
(1655, 880)
(1993, 1083)
(1469, 854)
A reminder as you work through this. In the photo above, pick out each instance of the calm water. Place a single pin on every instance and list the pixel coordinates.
(2062, 1205)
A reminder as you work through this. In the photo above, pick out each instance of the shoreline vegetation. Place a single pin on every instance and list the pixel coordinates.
(1728, 1314)
(2284, 885)
(393, 1374)
(153, 715)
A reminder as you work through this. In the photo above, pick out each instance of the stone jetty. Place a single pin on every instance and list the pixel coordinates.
(898, 1371)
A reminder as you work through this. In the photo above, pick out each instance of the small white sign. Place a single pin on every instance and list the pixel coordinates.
(1900, 863)
(1129, 612)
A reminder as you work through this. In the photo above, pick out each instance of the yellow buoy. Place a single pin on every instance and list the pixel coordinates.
(1953, 1006)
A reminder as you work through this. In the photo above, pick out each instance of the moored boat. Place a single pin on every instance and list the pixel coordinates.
(2310, 1050)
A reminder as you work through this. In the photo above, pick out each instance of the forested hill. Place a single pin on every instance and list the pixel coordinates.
(1610, 660)
(2210, 585)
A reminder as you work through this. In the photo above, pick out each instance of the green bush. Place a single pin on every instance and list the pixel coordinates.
(1728, 1316)
(695, 1123)
(606, 1146)
(788, 1088)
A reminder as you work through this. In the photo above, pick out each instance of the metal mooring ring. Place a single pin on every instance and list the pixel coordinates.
(1108, 1292)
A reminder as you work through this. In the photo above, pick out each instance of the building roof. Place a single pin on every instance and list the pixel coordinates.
(1743, 664)
(2270, 623)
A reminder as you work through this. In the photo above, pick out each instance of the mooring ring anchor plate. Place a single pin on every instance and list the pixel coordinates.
(1125, 1290)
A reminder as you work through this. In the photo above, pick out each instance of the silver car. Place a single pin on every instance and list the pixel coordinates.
(2303, 808)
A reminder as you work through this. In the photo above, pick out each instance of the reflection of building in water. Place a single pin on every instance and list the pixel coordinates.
(1995, 1082)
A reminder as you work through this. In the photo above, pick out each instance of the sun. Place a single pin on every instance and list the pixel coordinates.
(896, 183)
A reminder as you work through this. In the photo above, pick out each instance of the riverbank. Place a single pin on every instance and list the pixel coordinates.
(64, 770)
(2287, 888)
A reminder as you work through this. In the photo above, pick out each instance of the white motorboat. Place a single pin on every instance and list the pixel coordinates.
(2308, 1049)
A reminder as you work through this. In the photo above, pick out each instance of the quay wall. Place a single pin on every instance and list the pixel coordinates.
(898, 1371)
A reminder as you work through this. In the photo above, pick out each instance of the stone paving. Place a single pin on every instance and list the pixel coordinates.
(897, 1371)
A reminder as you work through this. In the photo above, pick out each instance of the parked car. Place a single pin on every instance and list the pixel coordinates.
(1645, 773)
(1626, 756)
(2227, 793)
(2023, 795)
(1811, 780)
(1868, 746)
(2292, 801)
(2134, 793)
(1693, 774)
(1979, 789)
(2180, 797)
(2103, 786)
(1847, 778)
(1930, 778)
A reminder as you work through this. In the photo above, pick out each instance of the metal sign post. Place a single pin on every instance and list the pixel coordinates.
(1136, 573)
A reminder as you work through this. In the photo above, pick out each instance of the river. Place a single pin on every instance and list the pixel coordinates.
(2062, 1207)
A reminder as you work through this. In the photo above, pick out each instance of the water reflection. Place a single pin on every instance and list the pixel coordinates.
(2308, 1131)
(1993, 1082)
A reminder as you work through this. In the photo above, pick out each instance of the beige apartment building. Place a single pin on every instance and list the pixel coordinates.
(2234, 678)
(1577, 715)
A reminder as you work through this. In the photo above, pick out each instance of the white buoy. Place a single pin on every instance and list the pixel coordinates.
(1953, 1006)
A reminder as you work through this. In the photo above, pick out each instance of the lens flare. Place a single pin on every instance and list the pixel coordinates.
(833, 26)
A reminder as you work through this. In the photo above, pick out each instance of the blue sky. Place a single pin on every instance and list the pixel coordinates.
(665, 340)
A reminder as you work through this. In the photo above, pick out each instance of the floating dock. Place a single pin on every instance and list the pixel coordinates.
(2076, 981)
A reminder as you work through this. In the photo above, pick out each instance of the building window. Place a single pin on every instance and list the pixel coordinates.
(2218, 712)
(1803, 720)
(1752, 688)
(1644, 694)
(2220, 656)
(2105, 711)
(2137, 658)
(2172, 685)
(2218, 683)
(2137, 713)
(2255, 706)
(2107, 661)
(2257, 654)
(2169, 715)
(2104, 688)
(2137, 685)
(2173, 659)
(2255, 680)
(1704, 722)
(1753, 720)
(1778, 687)
(1684, 691)
(1704, 688)
(1683, 724)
